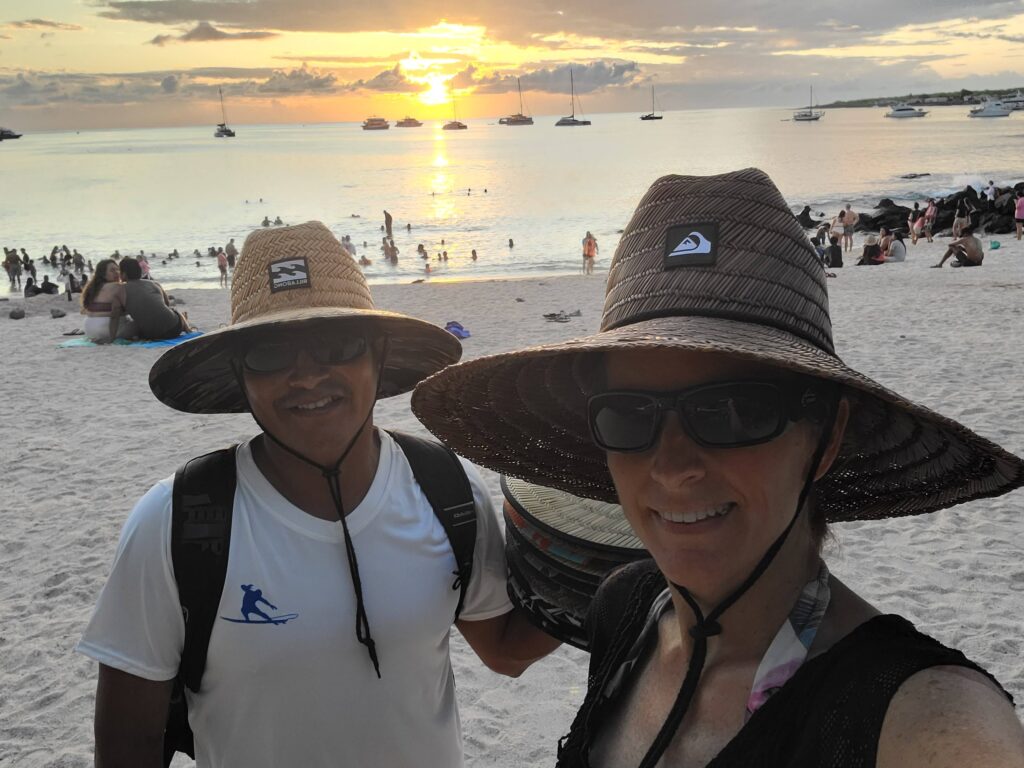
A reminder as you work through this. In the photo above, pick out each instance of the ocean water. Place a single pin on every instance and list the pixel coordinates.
(544, 187)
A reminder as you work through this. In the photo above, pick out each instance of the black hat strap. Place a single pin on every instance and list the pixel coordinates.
(708, 626)
(332, 474)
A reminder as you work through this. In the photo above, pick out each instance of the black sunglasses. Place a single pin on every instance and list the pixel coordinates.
(729, 414)
(276, 356)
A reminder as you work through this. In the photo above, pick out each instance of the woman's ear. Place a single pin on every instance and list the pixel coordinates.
(836, 438)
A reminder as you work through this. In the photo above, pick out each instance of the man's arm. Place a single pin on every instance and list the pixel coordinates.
(507, 644)
(116, 310)
(131, 713)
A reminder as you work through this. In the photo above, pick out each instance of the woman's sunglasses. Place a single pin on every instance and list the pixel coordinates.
(723, 415)
(277, 356)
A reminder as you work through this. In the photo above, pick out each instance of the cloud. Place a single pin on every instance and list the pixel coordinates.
(388, 81)
(586, 78)
(302, 80)
(42, 24)
(204, 32)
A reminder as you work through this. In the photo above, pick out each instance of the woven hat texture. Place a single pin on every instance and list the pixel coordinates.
(295, 279)
(718, 264)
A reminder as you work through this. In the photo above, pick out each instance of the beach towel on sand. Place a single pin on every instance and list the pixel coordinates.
(128, 343)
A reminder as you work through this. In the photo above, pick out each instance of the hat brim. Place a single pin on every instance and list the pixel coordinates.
(198, 376)
(523, 414)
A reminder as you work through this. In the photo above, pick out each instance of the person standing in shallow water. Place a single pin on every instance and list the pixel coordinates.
(713, 407)
(590, 251)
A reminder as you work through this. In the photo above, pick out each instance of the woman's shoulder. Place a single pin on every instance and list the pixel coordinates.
(950, 716)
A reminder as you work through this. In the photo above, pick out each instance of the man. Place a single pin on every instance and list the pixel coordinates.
(47, 287)
(990, 195)
(147, 303)
(231, 252)
(967, 251)
(850, 221)
(351, 668)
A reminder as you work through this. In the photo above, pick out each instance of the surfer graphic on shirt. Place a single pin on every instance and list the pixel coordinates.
(254, 595)
(250, 600)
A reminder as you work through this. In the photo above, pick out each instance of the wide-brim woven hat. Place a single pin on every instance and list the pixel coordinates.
(717, 264)
(296, 278)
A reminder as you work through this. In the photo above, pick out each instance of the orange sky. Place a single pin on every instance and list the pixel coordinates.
(108, 63)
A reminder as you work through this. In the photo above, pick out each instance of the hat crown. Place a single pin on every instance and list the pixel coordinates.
(298, 267)
(718, 246)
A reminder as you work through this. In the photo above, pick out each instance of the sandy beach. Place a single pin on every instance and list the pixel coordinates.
(83, 438)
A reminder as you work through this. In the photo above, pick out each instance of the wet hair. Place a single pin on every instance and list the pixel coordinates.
(97, 281)
(131, 269)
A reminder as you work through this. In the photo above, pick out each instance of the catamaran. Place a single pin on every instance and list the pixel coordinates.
(519, 118)
(571, 119)
(454, 124)
(223, 132)
(810, 113)
(651, 115)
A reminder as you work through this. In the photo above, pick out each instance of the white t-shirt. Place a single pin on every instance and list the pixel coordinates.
(304, 692)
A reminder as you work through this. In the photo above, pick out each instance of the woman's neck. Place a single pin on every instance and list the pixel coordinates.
(750, 624)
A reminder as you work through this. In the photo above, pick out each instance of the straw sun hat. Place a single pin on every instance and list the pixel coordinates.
(296, 278)
(719, 264)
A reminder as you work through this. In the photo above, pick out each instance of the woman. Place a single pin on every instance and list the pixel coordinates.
(713, 407)
(98, 299)
(897, 250)
(929, 218)
(915, 223)
(1018, 212)
(962, 219)
(872, 254)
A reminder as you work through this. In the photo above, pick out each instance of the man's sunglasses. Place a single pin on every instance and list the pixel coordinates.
(276, 356)
(724, 415)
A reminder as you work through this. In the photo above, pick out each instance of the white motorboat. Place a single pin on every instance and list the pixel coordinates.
(1014, 102)
(375, 124)
(902, 110)
(991, 109)
(409, 122)
(572, 120)
(223, 132)
(519, 118)
(809, 113)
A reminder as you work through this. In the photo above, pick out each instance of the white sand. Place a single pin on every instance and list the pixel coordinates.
(83, 438)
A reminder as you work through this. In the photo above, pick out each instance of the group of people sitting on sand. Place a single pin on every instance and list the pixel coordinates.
(119, 304)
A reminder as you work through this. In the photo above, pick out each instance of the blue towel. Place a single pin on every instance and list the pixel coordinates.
(456, 330)
(127, 343)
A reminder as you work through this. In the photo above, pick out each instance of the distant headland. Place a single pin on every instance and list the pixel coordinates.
(952, 98)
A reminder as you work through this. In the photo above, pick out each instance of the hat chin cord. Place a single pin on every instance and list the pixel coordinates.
(708, 626)
(332, 474)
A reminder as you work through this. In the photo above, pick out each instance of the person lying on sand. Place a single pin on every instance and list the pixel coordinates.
(713, 408)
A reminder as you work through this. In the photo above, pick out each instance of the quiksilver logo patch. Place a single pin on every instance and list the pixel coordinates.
(691, 245)
(287, 274)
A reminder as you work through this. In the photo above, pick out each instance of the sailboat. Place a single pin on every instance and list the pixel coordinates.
(519, 118)
(223, 132)
(571, 119)
(454, 124)
(809, 114)
(650, 115)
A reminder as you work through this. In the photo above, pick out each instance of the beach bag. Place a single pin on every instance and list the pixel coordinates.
(202, 501)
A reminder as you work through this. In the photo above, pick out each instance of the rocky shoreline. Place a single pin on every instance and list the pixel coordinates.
(996, 219)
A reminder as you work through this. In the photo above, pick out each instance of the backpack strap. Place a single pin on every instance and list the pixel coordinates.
(443, 480)
(202, 502)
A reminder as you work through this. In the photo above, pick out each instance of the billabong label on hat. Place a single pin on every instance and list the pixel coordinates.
(287, 274)
(690, 245)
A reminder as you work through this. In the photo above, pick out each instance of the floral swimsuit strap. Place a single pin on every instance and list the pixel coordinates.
(788, 650)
